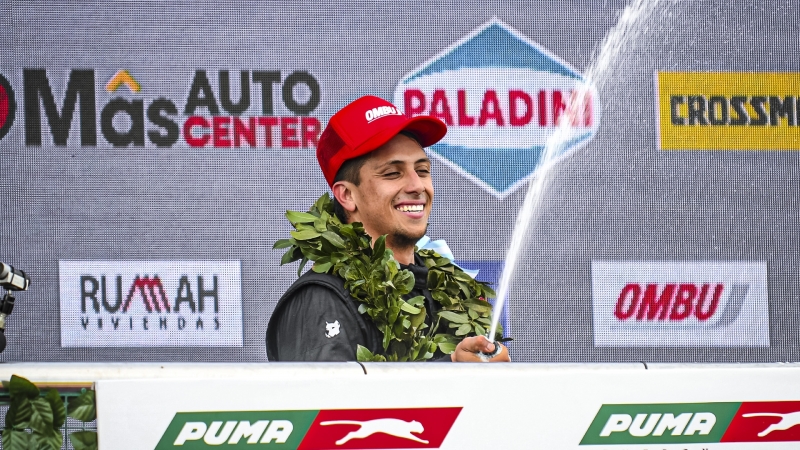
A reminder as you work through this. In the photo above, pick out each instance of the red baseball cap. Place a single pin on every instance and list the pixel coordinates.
(366, 124)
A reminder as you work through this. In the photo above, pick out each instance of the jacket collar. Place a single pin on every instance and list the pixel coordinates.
(419, 271)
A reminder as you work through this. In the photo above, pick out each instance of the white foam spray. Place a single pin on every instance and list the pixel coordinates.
(626, 30)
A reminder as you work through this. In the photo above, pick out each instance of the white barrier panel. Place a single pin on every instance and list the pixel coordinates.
(449, 406)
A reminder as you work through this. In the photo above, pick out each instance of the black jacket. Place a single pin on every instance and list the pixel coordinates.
(318, 320)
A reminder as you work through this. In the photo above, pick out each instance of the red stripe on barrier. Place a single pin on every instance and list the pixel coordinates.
(380, 428)
(765, 422)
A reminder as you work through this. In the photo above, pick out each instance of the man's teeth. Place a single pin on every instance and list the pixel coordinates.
(410, 208)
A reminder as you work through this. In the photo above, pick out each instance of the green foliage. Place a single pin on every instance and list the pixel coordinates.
(375, 279)
(57, 407)
(16, 439)
(83, 407)
(84, 440)
(44, 416)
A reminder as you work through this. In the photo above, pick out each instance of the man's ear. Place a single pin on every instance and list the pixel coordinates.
(343, 191)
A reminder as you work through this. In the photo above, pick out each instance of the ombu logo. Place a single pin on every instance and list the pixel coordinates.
(650, 303)
(310, 430)
(502, 96)
(7, 106)
(235, 114)
(150, 303)
(678, 302)
(728, 111)
(381, 111)
(683, 423)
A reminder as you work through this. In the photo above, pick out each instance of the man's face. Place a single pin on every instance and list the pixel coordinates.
(395, 193)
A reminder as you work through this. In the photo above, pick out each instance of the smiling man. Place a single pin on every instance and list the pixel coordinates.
(390, 194)
(373, 158)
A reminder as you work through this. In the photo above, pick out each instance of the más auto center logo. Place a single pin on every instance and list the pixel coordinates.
(695, 423)
(502, 97)
(311, 429)
(8, 106)
(221, 110)
(657, 304)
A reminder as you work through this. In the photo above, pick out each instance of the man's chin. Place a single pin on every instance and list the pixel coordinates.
(406, 238)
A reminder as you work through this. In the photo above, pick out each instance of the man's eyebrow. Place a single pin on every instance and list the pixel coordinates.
(395, 162)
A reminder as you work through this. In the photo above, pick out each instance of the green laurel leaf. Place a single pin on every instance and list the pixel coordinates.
(363, 353)
(485, 308)
(409, 309)
(283, 243)
(447, 348)
(322, 267)
(296, 217)
(291, 255)
(454, 317)
(334, 239)
(464, 329)
(379, 248)
(304, 235)
(302, 265)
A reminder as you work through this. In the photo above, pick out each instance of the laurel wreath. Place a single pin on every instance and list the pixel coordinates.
(374, 278)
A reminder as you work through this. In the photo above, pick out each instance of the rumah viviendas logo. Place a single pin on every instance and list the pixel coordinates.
(100, 295)
(151, 303)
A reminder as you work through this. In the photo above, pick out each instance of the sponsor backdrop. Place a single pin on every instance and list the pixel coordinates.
(149, 151)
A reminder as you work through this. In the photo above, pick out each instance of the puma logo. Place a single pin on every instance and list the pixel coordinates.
(331, 329)
(788, 420)
(394, 427)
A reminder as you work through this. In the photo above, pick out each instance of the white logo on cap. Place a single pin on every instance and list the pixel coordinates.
(382, 111)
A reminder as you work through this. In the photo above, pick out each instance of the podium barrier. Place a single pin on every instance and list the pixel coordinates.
(436, 405)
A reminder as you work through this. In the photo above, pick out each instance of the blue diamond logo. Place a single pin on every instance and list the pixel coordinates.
(502, 97)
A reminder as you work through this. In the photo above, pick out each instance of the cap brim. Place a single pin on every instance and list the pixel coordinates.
(427, 129)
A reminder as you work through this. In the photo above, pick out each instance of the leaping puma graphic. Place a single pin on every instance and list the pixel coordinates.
(788, 420)
(394, 427)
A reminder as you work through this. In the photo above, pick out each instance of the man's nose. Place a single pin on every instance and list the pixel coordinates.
(414, 183)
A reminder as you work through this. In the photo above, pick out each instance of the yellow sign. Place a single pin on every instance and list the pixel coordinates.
(728, 111)
(123, 77)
